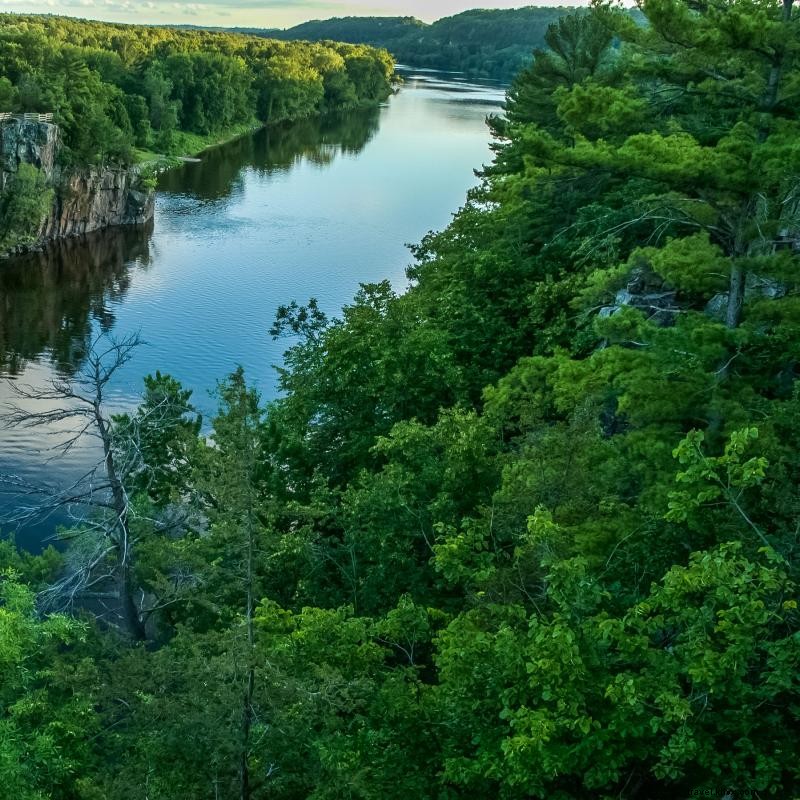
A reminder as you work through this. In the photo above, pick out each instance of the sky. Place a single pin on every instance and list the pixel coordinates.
(253, 13)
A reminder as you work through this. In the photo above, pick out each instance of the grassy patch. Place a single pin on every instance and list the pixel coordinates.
(187, 144)
(142, 156)
(191, 144)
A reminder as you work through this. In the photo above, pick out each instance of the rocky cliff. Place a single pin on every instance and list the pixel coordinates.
(90, 199)
(27, 142)
(86, 199)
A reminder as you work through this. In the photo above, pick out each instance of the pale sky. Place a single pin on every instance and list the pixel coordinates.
(253, 13)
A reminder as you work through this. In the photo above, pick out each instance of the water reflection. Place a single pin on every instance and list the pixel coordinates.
(316, 140)
(310, 209)
(53, 300)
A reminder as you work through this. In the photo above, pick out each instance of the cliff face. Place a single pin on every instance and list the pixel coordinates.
(91, 199)
(24, 142)
(85, 200)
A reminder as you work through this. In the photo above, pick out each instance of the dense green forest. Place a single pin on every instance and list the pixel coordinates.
(116, 88)
(482, 43)
(527, 530)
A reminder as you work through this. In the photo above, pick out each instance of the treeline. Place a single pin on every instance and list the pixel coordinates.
(114, 88)
(528, 530)
(482, 43)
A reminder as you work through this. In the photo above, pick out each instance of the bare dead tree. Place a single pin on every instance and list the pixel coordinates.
(102, 546)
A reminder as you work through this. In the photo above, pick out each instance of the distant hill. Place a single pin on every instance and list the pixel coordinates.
(355, 29)
(483, 43)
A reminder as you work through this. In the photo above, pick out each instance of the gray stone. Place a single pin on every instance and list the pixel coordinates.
(86, 199)
(756, 286)
(623, 298)
(645, 291)
(25, 142)
(717, 307)
(94, 198)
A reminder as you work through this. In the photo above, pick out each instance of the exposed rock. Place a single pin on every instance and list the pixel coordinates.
(755, 287)
(85, 200)
(90, 199)
(717, 307)
(27, 142)
(647, 292)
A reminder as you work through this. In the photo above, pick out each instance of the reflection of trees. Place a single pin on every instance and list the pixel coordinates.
(273, 149)
(213, 177)
(318, 140)
(49, 300)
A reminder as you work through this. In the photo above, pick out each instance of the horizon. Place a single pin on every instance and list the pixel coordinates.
(255, 13)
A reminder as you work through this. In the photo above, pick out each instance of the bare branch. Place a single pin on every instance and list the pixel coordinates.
(101, 547)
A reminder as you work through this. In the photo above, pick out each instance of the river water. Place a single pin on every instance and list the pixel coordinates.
(307, 210)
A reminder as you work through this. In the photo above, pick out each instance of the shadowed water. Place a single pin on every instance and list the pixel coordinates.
(311, 209)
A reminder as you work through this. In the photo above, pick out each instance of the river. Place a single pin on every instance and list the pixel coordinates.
(307, 210)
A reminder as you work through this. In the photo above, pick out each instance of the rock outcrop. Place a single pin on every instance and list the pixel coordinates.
(650, 294)
(755, 288)
(86, 199)
(27, 142)
(91, 199)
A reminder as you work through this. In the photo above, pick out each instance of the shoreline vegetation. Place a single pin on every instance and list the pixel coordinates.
(113, 88)
(189, 147)
(127, 96)
(490, 44)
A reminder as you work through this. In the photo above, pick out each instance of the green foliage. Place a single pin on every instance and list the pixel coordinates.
(577, 49)
(527, 530)
(481, 43)
(44, 728)
(24, 204)
(713, 481)
(574, 700)
(113, 88)
(35, 570)
(159, 438)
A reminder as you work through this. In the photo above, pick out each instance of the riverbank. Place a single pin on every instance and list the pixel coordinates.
(131, 197)
(191, 145)
(42, 199)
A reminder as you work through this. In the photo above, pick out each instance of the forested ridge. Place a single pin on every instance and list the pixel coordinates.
(114, 89)
(481, 43)
(527, 530)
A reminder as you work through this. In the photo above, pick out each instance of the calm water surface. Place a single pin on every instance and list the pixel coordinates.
(310, 210)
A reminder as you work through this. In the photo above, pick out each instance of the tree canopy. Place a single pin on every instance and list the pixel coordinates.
(481, 43)
(114, 88)
(527, 530)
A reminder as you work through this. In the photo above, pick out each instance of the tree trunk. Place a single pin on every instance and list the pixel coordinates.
(247, 710)
(122, 541)
(735, 297)
(774, 79)
(131, 619)
(247, 721)
(768, 102)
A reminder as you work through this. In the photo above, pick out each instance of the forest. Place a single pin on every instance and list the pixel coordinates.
(527, 530)
(481, 43)
(121, 92)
